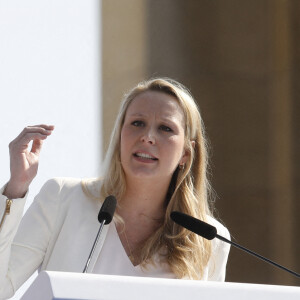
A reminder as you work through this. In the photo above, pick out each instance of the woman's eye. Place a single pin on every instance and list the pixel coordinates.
(165, 128)
(137, 123)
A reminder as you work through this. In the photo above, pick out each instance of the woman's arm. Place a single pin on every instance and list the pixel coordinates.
(23, 167)
(23, 161)
(7, 233)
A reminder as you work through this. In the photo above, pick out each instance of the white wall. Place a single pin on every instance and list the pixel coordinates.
(50, 73)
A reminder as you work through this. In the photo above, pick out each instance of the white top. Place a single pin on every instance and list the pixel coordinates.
(58, 232)
(113, 260)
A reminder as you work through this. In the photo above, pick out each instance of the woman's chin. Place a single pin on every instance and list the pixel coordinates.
(140, 174)
(146, 174)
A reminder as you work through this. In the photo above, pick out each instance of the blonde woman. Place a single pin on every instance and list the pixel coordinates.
(156, 163)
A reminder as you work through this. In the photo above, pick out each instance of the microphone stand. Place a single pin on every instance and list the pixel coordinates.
(209, 232)
(257, 255)
(105, 216)
(94, 246)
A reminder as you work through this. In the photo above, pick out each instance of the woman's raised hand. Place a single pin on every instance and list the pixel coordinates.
(23, 161)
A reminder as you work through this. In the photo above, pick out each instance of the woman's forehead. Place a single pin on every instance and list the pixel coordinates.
(155, 102)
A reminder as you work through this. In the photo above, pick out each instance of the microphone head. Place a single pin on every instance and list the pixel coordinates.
(201, 228)
(107, 210)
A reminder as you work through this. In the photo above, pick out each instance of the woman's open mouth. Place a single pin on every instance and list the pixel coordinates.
(144, 156)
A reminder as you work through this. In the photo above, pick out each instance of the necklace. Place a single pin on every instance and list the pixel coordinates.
(130, 256)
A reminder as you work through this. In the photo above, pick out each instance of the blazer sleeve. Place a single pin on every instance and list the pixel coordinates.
(23, 241)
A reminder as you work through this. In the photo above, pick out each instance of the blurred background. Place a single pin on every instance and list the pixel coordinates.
(70, 62)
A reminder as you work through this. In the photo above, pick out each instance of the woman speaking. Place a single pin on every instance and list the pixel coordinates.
(156, 163)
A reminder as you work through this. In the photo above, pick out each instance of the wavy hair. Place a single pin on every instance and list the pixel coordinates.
(189, 192)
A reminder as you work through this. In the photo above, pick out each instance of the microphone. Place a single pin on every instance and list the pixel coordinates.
(105, 216)
(199, 227)
(107, 210)
(209, 232)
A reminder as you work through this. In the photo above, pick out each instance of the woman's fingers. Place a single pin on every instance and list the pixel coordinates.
(28, 137)
(36, 146)
(47, 127)
(30, 133)
(38, 129)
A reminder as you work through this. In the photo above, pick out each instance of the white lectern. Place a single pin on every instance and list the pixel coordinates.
(71, 286)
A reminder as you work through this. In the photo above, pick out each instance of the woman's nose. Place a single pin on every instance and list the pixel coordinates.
(148, 137)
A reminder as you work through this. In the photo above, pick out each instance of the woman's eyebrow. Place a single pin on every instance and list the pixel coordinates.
(168, 119)
(137, 115)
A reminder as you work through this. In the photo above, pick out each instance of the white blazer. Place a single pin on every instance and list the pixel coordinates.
(57, 233)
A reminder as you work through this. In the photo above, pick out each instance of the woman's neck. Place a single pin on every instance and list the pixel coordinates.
(142, 208)
(144, 199)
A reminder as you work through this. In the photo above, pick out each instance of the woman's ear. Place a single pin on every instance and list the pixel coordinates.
(186, 154)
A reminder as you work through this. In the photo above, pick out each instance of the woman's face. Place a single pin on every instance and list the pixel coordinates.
(152, 137)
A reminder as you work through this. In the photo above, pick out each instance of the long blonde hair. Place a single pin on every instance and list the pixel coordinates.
(186, 253)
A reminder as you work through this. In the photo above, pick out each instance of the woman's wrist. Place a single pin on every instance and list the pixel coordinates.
(14, 191)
